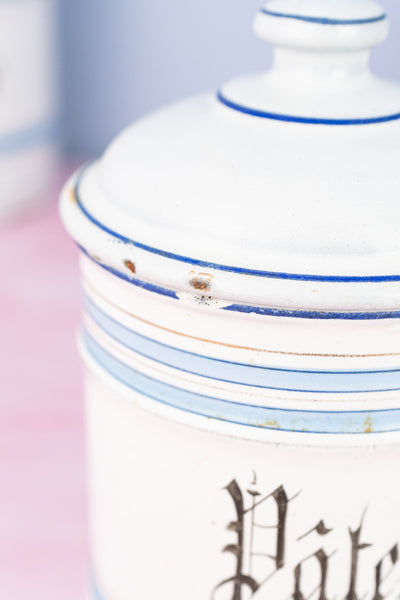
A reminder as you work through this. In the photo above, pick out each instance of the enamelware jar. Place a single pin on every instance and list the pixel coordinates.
(240, 258)
(28, 102)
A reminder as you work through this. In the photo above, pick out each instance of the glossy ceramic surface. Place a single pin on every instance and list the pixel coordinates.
(240, 264)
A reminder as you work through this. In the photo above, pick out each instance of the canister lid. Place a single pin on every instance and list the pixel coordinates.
(277, 193)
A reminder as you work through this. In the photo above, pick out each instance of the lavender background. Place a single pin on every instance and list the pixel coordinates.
(123, 58)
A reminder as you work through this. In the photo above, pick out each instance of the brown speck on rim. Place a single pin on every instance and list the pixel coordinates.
(130, 265)
(200, 284)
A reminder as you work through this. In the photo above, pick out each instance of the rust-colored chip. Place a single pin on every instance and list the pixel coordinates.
(72, 195)
(130, 265)
(200, 284)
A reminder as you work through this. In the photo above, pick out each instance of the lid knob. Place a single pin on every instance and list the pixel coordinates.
(322, 24)
(321, 69)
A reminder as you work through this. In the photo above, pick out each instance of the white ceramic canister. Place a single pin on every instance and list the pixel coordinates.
(241, 269)
(28, 101)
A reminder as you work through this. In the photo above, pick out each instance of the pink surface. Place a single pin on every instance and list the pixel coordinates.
(42, 488)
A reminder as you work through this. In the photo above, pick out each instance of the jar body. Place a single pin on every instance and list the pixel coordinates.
(187, 504)
(166, 499)
(241, 277)
(28, 102)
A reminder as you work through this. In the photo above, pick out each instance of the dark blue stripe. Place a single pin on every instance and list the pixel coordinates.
(313, 314)
(262, 417)
(226, 268)
(259, 310)
(305, 120)
(150, 287)
(324, 20)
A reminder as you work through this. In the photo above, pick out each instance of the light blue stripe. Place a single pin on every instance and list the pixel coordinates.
(264, 114)
(39, 133)
(324, 20)
(242, 374)
(299, 421)
(219, 267)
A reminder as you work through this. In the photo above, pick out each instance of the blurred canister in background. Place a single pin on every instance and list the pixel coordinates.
(28, 101)
(241, 268)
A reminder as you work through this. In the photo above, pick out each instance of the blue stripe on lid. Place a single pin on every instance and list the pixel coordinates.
(324, 20)
(225, 268)
(262, 114)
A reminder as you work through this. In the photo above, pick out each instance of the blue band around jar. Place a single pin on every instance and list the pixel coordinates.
(291, 380)
(261, 417)
(26, 138)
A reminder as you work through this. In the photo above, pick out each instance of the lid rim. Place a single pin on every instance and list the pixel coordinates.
(221, 267)
(258, 310)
